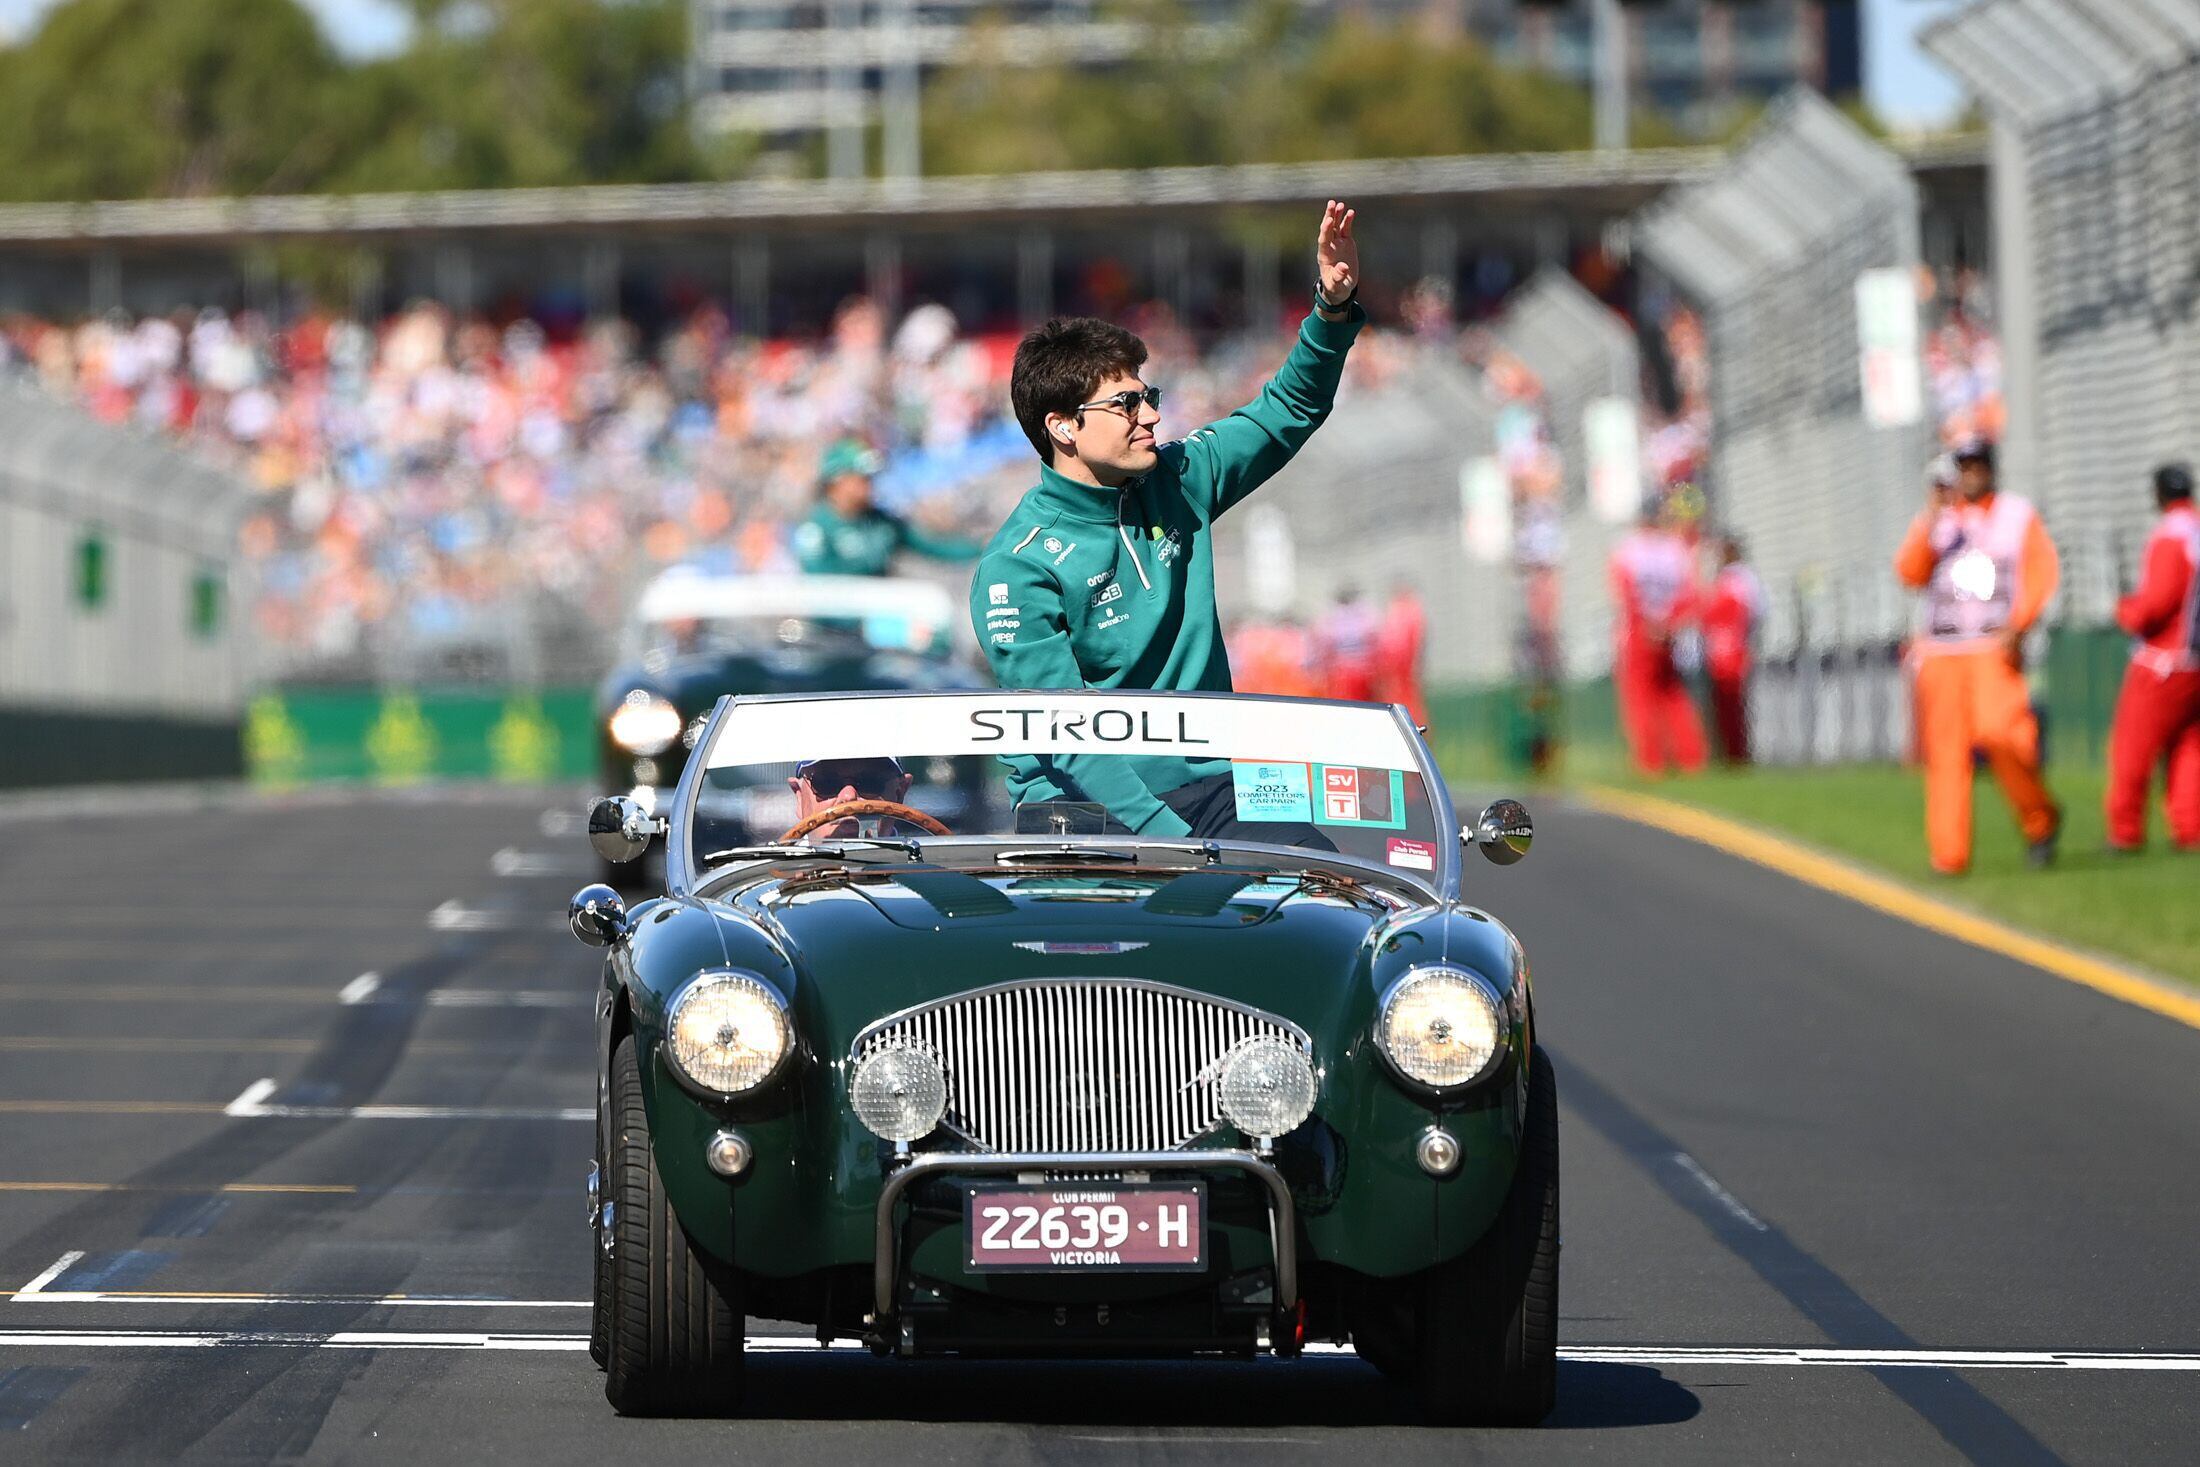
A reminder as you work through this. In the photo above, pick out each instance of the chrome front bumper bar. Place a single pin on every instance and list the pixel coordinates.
(1282, 1220)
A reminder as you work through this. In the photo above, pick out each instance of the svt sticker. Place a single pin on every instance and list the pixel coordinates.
(1271, 791)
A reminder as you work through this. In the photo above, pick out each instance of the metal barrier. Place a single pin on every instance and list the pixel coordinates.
(117, 548)
(2095, 111)
(1374, 499)
(1775, 252)
(1587, 364)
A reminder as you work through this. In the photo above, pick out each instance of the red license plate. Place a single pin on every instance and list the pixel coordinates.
(1059, 1228)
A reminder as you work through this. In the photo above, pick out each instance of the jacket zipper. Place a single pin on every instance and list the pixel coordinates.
(1124, 530)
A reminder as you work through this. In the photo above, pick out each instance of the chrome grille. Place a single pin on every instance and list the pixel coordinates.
(1080, 1065)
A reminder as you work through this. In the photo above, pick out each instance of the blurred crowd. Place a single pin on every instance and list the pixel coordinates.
(419, 473)
(426, 468)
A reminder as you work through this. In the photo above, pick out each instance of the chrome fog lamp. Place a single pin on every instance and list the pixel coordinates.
(899, 1093)
(644, 724)
(1437, 1152)
(729, 1153)
(1267, 1088)
(727, 1032)
(1441, 1027)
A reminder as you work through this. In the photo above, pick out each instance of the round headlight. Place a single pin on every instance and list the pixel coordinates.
(899, 1092)
(1441, 1027)
(1267, 1088)
(644, 724)
(727, 1033)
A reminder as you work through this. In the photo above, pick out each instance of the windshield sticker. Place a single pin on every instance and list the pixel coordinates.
(1417, 854)
(1271, 791)
(1357, 795)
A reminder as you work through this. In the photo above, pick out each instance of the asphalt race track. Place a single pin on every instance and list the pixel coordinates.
(293, 1105)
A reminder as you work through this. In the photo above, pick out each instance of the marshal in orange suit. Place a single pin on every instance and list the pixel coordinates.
(1986, 567)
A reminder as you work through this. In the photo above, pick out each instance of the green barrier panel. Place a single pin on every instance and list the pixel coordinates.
(400, 736)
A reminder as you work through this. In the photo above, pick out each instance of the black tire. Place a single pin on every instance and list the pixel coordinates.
(1489, 1337)
(676, 1328)
(599, 1267)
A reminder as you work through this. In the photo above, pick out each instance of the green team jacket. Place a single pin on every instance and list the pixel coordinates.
(1094, 588)
(830, 544)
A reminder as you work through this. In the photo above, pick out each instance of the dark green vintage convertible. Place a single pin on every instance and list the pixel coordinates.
(1070, 1023)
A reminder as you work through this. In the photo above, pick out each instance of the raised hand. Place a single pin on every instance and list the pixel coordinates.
(1337, 254)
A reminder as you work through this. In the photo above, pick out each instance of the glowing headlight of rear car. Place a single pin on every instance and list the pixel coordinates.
(644, 724)
(727, 1033)
(1267, 1088)
(1442, 1027)
(900, 1092)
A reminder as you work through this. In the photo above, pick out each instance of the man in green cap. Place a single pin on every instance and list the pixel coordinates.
(848, 534)
(1103, 576)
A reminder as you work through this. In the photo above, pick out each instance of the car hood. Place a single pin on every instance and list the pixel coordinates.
(881, 943)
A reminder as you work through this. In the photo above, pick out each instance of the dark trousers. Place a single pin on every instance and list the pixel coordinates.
(1730, 711)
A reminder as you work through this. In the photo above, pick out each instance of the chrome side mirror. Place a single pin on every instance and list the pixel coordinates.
(1502, 831)
(619, 829)
(597, 915)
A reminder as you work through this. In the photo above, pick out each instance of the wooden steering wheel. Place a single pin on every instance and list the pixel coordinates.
(827, 814)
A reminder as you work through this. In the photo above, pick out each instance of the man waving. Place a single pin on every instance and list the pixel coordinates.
(1103, 576)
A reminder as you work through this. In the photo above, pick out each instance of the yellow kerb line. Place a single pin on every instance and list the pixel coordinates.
(1895, 899)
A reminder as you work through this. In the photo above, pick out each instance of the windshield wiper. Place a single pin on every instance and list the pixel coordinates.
(838, 850)
(1066, 855)
(1129, 853)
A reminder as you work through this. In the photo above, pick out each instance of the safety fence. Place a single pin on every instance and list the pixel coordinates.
(1586, 376)
(2095, 113)
(120, 651)
(1800, 254)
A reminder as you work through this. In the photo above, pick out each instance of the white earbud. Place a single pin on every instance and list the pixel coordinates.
(1061, 435)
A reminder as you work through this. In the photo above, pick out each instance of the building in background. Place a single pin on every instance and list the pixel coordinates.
(797, 69)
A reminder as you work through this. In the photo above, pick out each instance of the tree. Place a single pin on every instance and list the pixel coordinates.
(129, 98)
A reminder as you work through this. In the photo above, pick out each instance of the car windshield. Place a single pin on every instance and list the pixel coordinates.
(1087, 769)
(686, 614)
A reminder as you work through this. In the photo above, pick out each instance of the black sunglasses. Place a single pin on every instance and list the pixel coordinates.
(1126, 402)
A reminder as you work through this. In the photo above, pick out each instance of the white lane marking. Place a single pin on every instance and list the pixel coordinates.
(512, 861)
(254, 1105)
(555, 823)
(250, 1103)
(1725, 1355)
(1880, 1359)
(456, 916)
(359, 989)
(489, 998)
(53, 1271)
(1719, 1194)
(27, 1295)
(234, 1339)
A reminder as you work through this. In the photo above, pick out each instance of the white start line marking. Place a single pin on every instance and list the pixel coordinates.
(1675, 1355)
(34, 1293)
(360, 989)
(254, 1104)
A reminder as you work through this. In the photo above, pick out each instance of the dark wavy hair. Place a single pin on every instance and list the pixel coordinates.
(1061, 365)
